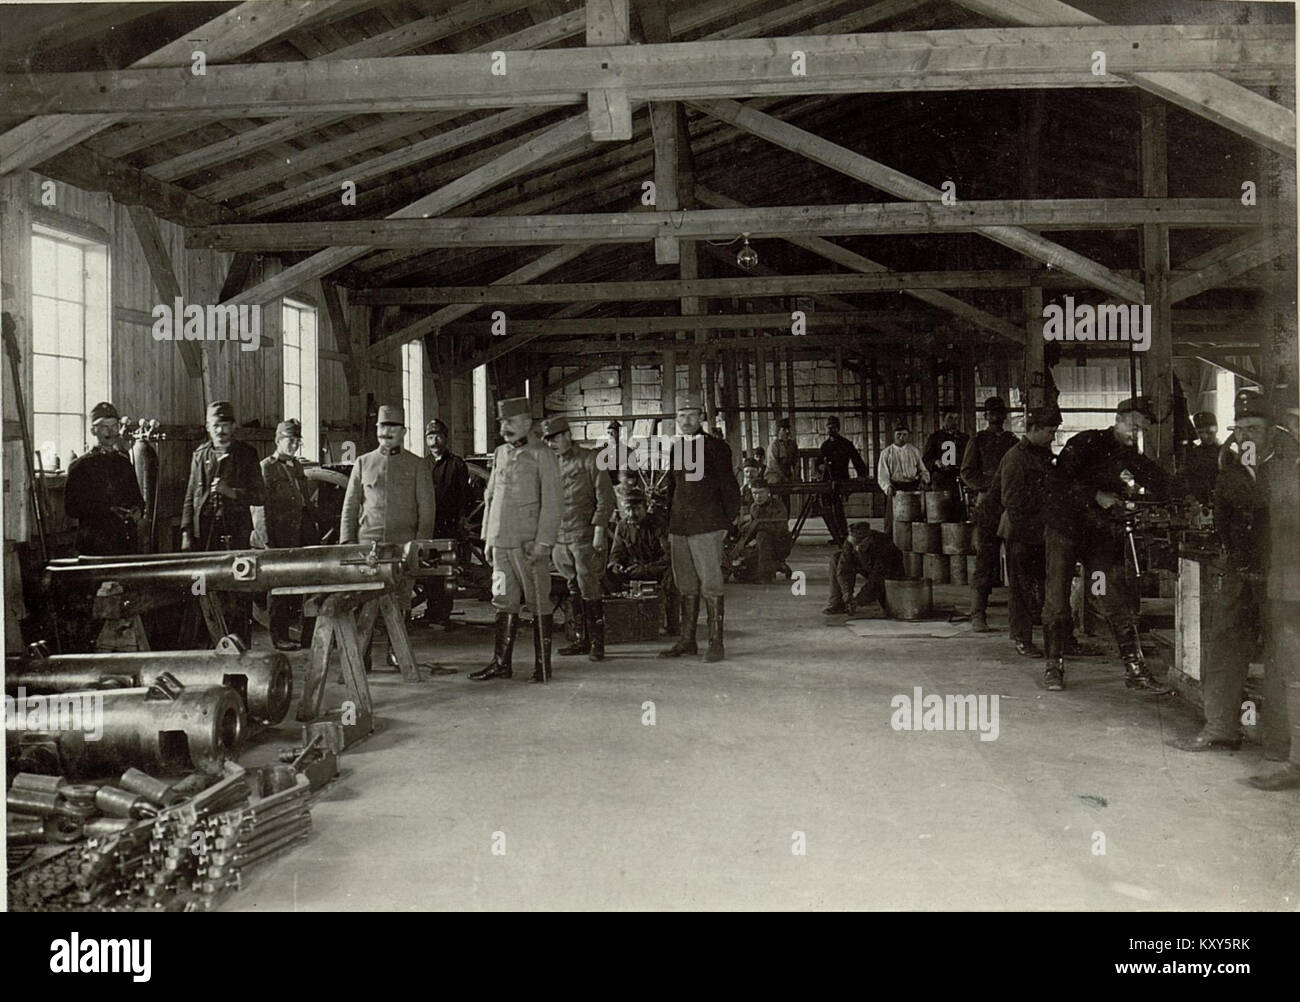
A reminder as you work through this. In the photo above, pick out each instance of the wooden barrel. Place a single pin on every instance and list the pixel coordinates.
(957, 569)
(927, 537)
(903, 535)
(907, 506)
(912, 565)
(940, 505)
(908, 600)
(956, 537)
(935, 567)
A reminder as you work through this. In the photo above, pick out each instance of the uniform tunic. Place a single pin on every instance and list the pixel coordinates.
(389, 499)
(944, 464)
(588, 505)
(522, 504)
(979, 466)
(99, 481)
(701, 512)
(1022, 476)
(204, 510)
(783, 460)
(287, 519)
(451, 490)
(875, 557)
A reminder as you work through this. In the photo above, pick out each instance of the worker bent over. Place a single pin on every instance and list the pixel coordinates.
(871, 554)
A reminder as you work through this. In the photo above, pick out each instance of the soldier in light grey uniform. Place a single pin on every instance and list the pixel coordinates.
(390, 497)
(580, 551)
(521, 521)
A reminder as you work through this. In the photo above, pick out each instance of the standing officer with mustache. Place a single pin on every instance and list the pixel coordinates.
(103, 494)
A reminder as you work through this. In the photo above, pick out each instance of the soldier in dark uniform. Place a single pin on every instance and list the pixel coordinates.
(1203, 458)
(225, 484)
(1254, 470)
(102, 493)
(764, 539)
(837, 453)
(944, 451)
(871, 554)
(1022, 475)
(639, 552)
(451, 493)
(978, 472)
(1082, 488)
(288, 519)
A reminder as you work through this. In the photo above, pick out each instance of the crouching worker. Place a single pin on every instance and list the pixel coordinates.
(764, 542)
(640, 553)
(871, 554)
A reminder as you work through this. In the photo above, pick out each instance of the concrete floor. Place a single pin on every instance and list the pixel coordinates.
(790, 734)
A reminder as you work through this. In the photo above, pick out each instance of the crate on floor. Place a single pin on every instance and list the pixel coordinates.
(628, 620)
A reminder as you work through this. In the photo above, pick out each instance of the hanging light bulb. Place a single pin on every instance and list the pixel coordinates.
(747, 257)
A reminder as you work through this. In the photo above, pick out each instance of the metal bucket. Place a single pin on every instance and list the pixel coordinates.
(927, 537)
(957, 569)
(903, 535)
(913, 564)
(940, 505)
(956, 537)
(907, 506)
(934, 566)
(908, 600)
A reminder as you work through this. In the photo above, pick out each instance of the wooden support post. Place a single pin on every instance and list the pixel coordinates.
(789, 383)
(625, 392)
(168, 287)
(764, 432)
(708, 390)
(1032, 385)
(877, 442)
(749, 437)
(968, 405)
(1158, 362)
(669, 395)
(609, 109)
(730, 417)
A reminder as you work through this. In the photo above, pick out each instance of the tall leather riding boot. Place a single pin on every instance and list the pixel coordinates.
(714, 607)
(690, 618)
(542, 627)
(581, 619)
(979, 603)
(503, 647)
(673, 614)
(595, 610)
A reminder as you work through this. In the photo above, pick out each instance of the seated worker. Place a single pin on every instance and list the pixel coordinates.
(639, 552)
(871, 554)
(764, 539)
(750, 470)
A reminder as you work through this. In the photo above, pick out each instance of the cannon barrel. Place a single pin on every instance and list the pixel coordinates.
(263, 679)
(106, 732)
(255, 570)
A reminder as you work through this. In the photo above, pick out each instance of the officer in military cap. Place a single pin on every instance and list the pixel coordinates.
(1201, 465)
(289, 518)
(579, 551)
(389, 498)
(979, 468)
(1083, 487)
(451, 492)
(225, 485)
(103, 494)
(1256, 483)
(522, 508)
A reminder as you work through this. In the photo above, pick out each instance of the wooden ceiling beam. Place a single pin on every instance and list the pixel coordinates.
(1242, 261)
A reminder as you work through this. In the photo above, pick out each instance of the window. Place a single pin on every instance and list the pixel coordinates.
(480, 411)
(413, 395)
(301, 394)
(70, 347)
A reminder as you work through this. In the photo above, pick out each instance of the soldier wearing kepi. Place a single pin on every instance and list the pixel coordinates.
(978, 472)
(521, 522)
(225, 484)
(451, 493)
(640, 553)
(1084, 485)
(944, 451)
(1256, 467)
(705, 499)
(1203, 458)
(389, 499)
(103, 494)
(288, 518)
(579, 553)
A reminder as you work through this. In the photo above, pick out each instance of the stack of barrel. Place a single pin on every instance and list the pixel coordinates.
(934, 541)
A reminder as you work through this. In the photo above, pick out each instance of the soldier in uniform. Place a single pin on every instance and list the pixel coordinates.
(978, 472)
(1203, 458)
(704, 502)
(871, 554)
(451, 495)
(837, 453)
(764, 539)
(103, 494)
(389, 499)
(900, 469)
(288, 518)
(1254, 469)
(783, 460)
(225, 484)
(523, 505)
(1022, 475)
(579, 552)
(944, 451)
(1084, 485)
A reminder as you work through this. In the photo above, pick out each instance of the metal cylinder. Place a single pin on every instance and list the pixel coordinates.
(199, 729)
(106, 826)
(934, 566)
(35, 781)
(903, 535)
(21, 800)
(907, 506)
(122, 803)
(913, 565)
(24, 830)
(153, 790)
(940, 505)
(957, 570)
(263, 679)
(927, 537)
(909, 600)
(956, 537)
